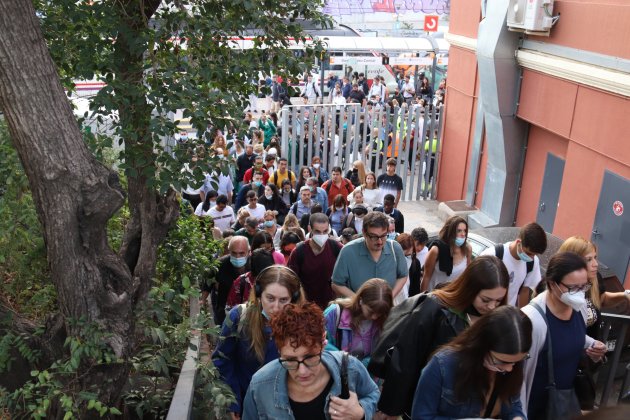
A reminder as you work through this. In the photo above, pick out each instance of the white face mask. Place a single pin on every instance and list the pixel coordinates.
(320, 240)
(316, 165)
(575, 300)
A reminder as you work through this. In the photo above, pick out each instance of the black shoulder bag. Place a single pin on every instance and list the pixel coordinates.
(562, 404)
(345, 390)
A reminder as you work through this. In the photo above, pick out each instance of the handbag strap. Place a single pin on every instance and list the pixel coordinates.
(550, 374)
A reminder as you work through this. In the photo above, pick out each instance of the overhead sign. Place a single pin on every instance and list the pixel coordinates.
(410, 61)
(430, 23)
(365, 60)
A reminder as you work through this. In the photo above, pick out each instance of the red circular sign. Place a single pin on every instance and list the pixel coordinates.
(618, 208)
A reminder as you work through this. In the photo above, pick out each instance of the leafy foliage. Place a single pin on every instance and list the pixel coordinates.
(60, 383)
(183, 57)
(24, 276)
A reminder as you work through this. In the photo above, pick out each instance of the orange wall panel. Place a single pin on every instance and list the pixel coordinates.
(599, 26)
(581, 185)
(547, 102)
(458, 128)
(601, 122)
(464, 18)
(539, 143)
(463, 75)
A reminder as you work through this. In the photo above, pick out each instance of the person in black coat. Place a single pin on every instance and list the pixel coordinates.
(406, 345)
(244, 162)
(272, 201)
(394, 213)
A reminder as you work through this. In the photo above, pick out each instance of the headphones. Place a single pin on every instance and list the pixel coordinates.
(258, 288)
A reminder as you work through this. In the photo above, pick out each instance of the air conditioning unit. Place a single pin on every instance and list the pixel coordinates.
(516, 15)
(530, 16)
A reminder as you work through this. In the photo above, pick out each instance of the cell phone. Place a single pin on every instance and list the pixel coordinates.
(345, 390)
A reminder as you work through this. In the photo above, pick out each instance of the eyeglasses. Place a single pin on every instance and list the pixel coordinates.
(309, 361)
(575, 289)
(375, 238)
(497, 362)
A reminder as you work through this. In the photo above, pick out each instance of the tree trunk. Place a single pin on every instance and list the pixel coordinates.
(74, 194)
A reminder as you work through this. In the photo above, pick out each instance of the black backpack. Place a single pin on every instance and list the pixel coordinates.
(498, 251)
(396, 326)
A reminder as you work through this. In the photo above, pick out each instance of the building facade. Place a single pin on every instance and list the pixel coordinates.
(538, 128)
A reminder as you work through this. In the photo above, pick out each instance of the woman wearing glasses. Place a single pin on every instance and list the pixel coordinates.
(306, 381)
(245, 344)
(555, 314)
(479, 373)
(434, 320)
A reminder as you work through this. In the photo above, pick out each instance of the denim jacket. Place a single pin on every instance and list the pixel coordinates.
(268, 396)
(233, 358)
(435, 394)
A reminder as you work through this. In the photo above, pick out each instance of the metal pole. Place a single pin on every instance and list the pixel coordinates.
(321, 77)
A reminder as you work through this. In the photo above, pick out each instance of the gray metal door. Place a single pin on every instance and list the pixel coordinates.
(611, 229)
(550, 192)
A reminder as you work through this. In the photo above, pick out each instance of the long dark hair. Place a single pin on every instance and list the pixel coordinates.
(483, 273)
(505, 330)
(206, 202)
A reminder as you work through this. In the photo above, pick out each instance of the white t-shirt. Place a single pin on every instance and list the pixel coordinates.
(222, 219)
(258, 212)
(518, 273)
(199, 210)
(372, 198)
(223, 183)
(422, 255)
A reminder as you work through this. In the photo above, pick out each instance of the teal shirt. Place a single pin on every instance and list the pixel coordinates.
(355, 265)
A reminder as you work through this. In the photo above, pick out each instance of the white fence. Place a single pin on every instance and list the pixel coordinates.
(339, 135)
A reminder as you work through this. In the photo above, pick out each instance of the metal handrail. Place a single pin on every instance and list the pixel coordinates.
(619, 346)
(183, 397)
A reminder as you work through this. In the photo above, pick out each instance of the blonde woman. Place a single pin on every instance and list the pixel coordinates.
(356, 175)
(596, 297)
(245, 344)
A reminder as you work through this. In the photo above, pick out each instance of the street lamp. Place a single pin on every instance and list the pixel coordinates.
(322, 58)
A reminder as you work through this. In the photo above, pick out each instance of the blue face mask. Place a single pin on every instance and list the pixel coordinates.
(257, 183)
(523, 256)
(459, 241)
(391, 235)
(268, 223)
(238, 262)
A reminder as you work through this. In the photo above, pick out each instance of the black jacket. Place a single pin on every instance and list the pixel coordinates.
(243, 163)
(423, 325)
(398, 217)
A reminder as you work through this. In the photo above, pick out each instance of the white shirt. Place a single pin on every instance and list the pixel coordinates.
(311, 90)
(518, 273)
(222, 219)
(258, 212)
(422, 255)
(372, 198)
(223, 184)
(377, 90)
(408, 89)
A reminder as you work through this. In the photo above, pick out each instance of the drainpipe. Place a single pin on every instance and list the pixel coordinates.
(499, 75)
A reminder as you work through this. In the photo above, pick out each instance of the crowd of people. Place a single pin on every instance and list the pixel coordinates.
(328, 309)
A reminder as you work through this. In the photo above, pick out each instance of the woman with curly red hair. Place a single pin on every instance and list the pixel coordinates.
(245, 344)
(307, 380)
